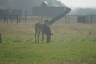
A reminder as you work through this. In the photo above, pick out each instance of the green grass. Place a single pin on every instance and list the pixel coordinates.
(71, 45)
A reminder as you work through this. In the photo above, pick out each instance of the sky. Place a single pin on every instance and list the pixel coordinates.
(80, 3)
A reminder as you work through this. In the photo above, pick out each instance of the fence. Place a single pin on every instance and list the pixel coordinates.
(87, 19)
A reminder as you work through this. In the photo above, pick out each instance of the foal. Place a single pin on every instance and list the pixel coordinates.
(44, 29)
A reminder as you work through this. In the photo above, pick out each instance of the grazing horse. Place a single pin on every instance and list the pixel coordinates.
(43, 29)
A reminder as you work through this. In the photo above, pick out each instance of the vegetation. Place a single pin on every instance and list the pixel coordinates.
(71, 44)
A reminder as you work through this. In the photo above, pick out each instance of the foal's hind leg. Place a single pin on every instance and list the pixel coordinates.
(38, 39)
(35, 37)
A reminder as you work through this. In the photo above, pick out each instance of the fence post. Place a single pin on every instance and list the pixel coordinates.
(25, 16)
(0, 38)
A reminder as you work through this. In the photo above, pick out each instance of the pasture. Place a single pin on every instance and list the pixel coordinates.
(71, 44)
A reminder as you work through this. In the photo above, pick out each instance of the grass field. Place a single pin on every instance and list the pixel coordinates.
(71, 44)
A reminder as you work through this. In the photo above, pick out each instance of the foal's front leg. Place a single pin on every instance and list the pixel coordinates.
(42, 37)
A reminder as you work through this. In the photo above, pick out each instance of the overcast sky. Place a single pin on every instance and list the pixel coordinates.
(80, 3)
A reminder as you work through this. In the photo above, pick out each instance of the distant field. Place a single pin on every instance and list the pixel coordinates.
(71, 44)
